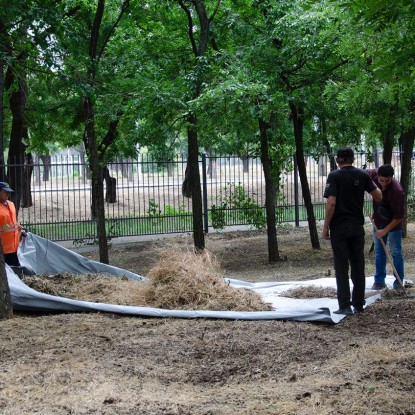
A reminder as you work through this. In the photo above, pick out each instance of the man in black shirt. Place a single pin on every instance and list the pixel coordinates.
(343, 225)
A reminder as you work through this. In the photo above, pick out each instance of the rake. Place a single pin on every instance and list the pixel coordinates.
(389, 256)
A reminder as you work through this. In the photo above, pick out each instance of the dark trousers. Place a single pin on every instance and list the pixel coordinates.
(11, 259)
(347, 242)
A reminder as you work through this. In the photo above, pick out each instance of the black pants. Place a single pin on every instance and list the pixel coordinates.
(347, 242)
(11, 259)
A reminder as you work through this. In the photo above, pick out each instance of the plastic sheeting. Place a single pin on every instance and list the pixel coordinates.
(43, 256)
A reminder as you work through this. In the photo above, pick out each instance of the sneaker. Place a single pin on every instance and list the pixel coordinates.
(397, 286)
(358, 309)
(408, 283)
(378, 286)
(347, 311)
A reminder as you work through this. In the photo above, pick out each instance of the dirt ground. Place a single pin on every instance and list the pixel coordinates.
(96, 363)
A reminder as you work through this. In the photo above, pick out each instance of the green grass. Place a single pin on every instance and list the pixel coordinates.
(84, 232)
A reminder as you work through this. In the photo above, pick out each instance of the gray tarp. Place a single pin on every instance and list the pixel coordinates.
(43, 256)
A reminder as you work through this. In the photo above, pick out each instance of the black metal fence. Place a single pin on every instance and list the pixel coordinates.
(149, 200)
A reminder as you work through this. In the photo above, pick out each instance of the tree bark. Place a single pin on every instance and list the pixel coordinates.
(6, 306)
(97, 183)
(388, 145)
(3, 36)
(111, 189)
(95, 151)
(27, 188)
(46, 160)
(273, 252)
(194, 184)
(298, 121)
(2, 164)
(18, 131)
(245, 163)
(407, 139)
(191, 184)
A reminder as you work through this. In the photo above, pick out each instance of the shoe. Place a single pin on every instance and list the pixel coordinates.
(347, 311)
(408, 283)
(378, 286)
(397, 286)
(358, 309)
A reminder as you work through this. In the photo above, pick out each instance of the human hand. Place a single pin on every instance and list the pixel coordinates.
(380, 233)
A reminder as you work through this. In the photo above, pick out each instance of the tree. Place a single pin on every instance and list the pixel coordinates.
(390, 30)
(6, 307)
(199, 40)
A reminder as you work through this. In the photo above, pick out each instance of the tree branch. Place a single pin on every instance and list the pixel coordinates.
(95, 30)
(190, 27)
(214, 11)
(125, 6)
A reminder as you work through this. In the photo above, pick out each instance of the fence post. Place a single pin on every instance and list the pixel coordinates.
(205, 197)
(296, 194)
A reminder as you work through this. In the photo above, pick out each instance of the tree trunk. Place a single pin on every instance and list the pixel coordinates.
(194, 184)
(2, 164)
(3, 36)
(85, 172)
(298, 121)
(170, 169)
(387, 139)
(18, 131)
(46, 160)
(407, 139)
(94, 151)
(245, 163)
(111, 190)
(191, 184)
(6, 306)
(273, 252)
(97, 183)
(27, 188)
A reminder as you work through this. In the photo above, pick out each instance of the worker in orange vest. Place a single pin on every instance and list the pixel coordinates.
(9, 228)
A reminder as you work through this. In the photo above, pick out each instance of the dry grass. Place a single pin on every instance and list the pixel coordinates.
(178, 281)
(98, 288)
(310, 292)
(103, 363)
(185, 280)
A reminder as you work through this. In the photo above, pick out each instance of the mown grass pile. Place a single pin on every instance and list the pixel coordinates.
(190, 281)
(179, 280)
(310, 292)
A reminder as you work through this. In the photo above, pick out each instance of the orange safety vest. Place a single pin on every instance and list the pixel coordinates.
(9, 233)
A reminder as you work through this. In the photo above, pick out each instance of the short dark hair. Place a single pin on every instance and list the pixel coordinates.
(386, 170)
(345, 154)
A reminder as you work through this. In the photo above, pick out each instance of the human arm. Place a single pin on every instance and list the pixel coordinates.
(330, 206)
(377, 198)
(376, 195)
(380, 233)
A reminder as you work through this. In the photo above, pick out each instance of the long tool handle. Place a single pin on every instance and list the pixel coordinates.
(388, 254)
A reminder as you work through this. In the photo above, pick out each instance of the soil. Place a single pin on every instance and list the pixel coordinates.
(97, 363)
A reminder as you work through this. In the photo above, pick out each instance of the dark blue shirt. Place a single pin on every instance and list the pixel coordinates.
(348, 185)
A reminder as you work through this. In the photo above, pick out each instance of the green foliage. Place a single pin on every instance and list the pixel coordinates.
(233, 197)
(218, 215)
(153, 210)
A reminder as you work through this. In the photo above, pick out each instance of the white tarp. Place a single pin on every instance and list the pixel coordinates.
(43, 256)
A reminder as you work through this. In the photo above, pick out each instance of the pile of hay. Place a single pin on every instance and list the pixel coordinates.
(98, 288)
(185, 280)
(178, 281)
(310, 292)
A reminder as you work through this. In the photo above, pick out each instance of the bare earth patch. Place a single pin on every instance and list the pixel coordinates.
(96, 363)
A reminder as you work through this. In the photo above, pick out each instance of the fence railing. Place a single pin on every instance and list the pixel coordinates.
(149, 200)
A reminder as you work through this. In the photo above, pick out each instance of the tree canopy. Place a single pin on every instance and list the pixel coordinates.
(187, 75)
